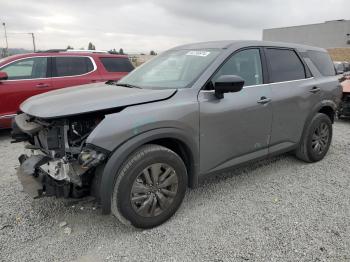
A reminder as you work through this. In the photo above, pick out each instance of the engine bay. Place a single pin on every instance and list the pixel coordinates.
(58, 154)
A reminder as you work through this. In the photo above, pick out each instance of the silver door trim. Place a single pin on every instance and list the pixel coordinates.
(275, 83)
(8, 116)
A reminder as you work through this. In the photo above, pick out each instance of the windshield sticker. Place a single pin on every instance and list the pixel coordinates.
(198, 53)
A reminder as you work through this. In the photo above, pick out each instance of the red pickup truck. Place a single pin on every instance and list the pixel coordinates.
(26, 75)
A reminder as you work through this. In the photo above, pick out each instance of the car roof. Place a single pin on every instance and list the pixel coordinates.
(78, 53)
(234, 44)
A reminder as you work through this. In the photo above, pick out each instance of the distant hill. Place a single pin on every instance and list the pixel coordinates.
(15, 51)
(340, 54)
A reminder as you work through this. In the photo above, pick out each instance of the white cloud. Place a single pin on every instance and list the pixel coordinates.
(156, 24)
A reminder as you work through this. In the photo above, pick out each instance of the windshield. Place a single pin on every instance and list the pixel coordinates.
(172, 69)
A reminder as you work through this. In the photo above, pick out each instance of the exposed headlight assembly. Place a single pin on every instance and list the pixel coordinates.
(89, 158)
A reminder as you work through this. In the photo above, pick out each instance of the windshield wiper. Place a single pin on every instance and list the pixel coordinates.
(127, 85)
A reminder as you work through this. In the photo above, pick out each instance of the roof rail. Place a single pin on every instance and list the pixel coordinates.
(52, 51)
(86, 51)
(71, 50)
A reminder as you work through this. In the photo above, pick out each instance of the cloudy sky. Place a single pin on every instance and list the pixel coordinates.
(140, 25)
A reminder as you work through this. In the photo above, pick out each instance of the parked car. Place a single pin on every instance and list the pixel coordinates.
(340, 67)
(344, 107)
(22, 76)
(192, 111)
(346, 66)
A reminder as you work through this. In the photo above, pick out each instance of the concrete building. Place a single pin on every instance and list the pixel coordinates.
(331, 34)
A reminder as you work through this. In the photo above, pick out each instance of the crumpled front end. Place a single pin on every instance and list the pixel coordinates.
(59, 162)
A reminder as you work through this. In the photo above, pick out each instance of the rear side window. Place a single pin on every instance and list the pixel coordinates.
(323, 62)
(285, 65)
(72, 66)
(117, 64)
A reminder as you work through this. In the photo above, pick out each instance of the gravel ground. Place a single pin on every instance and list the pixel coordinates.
(279, 209)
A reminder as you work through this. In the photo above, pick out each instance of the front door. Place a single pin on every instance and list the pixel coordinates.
(26, 77)
(236, 128)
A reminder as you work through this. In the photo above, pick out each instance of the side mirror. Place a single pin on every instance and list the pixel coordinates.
(3, 76)
(228, 84)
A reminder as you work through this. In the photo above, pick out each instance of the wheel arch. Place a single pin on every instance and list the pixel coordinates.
(327, 107)
(175, 139)
(329, 111)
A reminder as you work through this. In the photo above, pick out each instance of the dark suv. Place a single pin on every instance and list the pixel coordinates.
(194, 110)
(26, 75)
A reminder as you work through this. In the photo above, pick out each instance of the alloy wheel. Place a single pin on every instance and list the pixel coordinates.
(320, 138)
(154, 190)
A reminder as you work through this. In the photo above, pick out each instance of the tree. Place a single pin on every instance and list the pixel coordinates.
(70, 47)
(152, 53)
(121, 51)
(91, 46)
(113, 51)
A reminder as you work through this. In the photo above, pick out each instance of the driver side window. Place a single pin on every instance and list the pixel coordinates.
(30, 68)
(246, 64)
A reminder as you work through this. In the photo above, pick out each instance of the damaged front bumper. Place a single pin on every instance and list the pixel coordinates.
(31, 180)
(60, 163)
(42, 176)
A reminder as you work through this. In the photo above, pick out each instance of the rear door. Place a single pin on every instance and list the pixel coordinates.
(26, 77)
(294, 94)
(114, 68)
(74, 70)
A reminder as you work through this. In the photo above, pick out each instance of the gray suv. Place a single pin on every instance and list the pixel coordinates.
(198, 109)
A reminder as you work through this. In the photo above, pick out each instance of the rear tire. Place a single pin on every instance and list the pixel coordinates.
(316, 139)
(150, 187)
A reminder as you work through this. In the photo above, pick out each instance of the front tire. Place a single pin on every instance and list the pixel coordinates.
(150, 187)
(316, 140)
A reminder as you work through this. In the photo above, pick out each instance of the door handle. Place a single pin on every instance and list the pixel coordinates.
(263, 100)
(42, 85)
(315, 90)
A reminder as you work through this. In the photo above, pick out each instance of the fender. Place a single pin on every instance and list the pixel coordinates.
(316, 109)
(120, 154)
(319, 106)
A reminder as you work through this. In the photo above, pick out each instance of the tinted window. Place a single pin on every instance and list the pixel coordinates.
(323, 62)
(70, 66)
(285, 65)
(246, 64)
(29, 68)
(115, 64)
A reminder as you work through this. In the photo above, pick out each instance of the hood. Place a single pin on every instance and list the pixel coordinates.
(89, 98)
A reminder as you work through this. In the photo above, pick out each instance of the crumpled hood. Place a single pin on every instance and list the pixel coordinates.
(89, 98)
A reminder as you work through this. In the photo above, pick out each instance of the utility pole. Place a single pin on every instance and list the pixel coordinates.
(7, 44)
(33, 38)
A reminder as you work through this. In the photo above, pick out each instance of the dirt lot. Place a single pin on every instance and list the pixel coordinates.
(275, 210)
